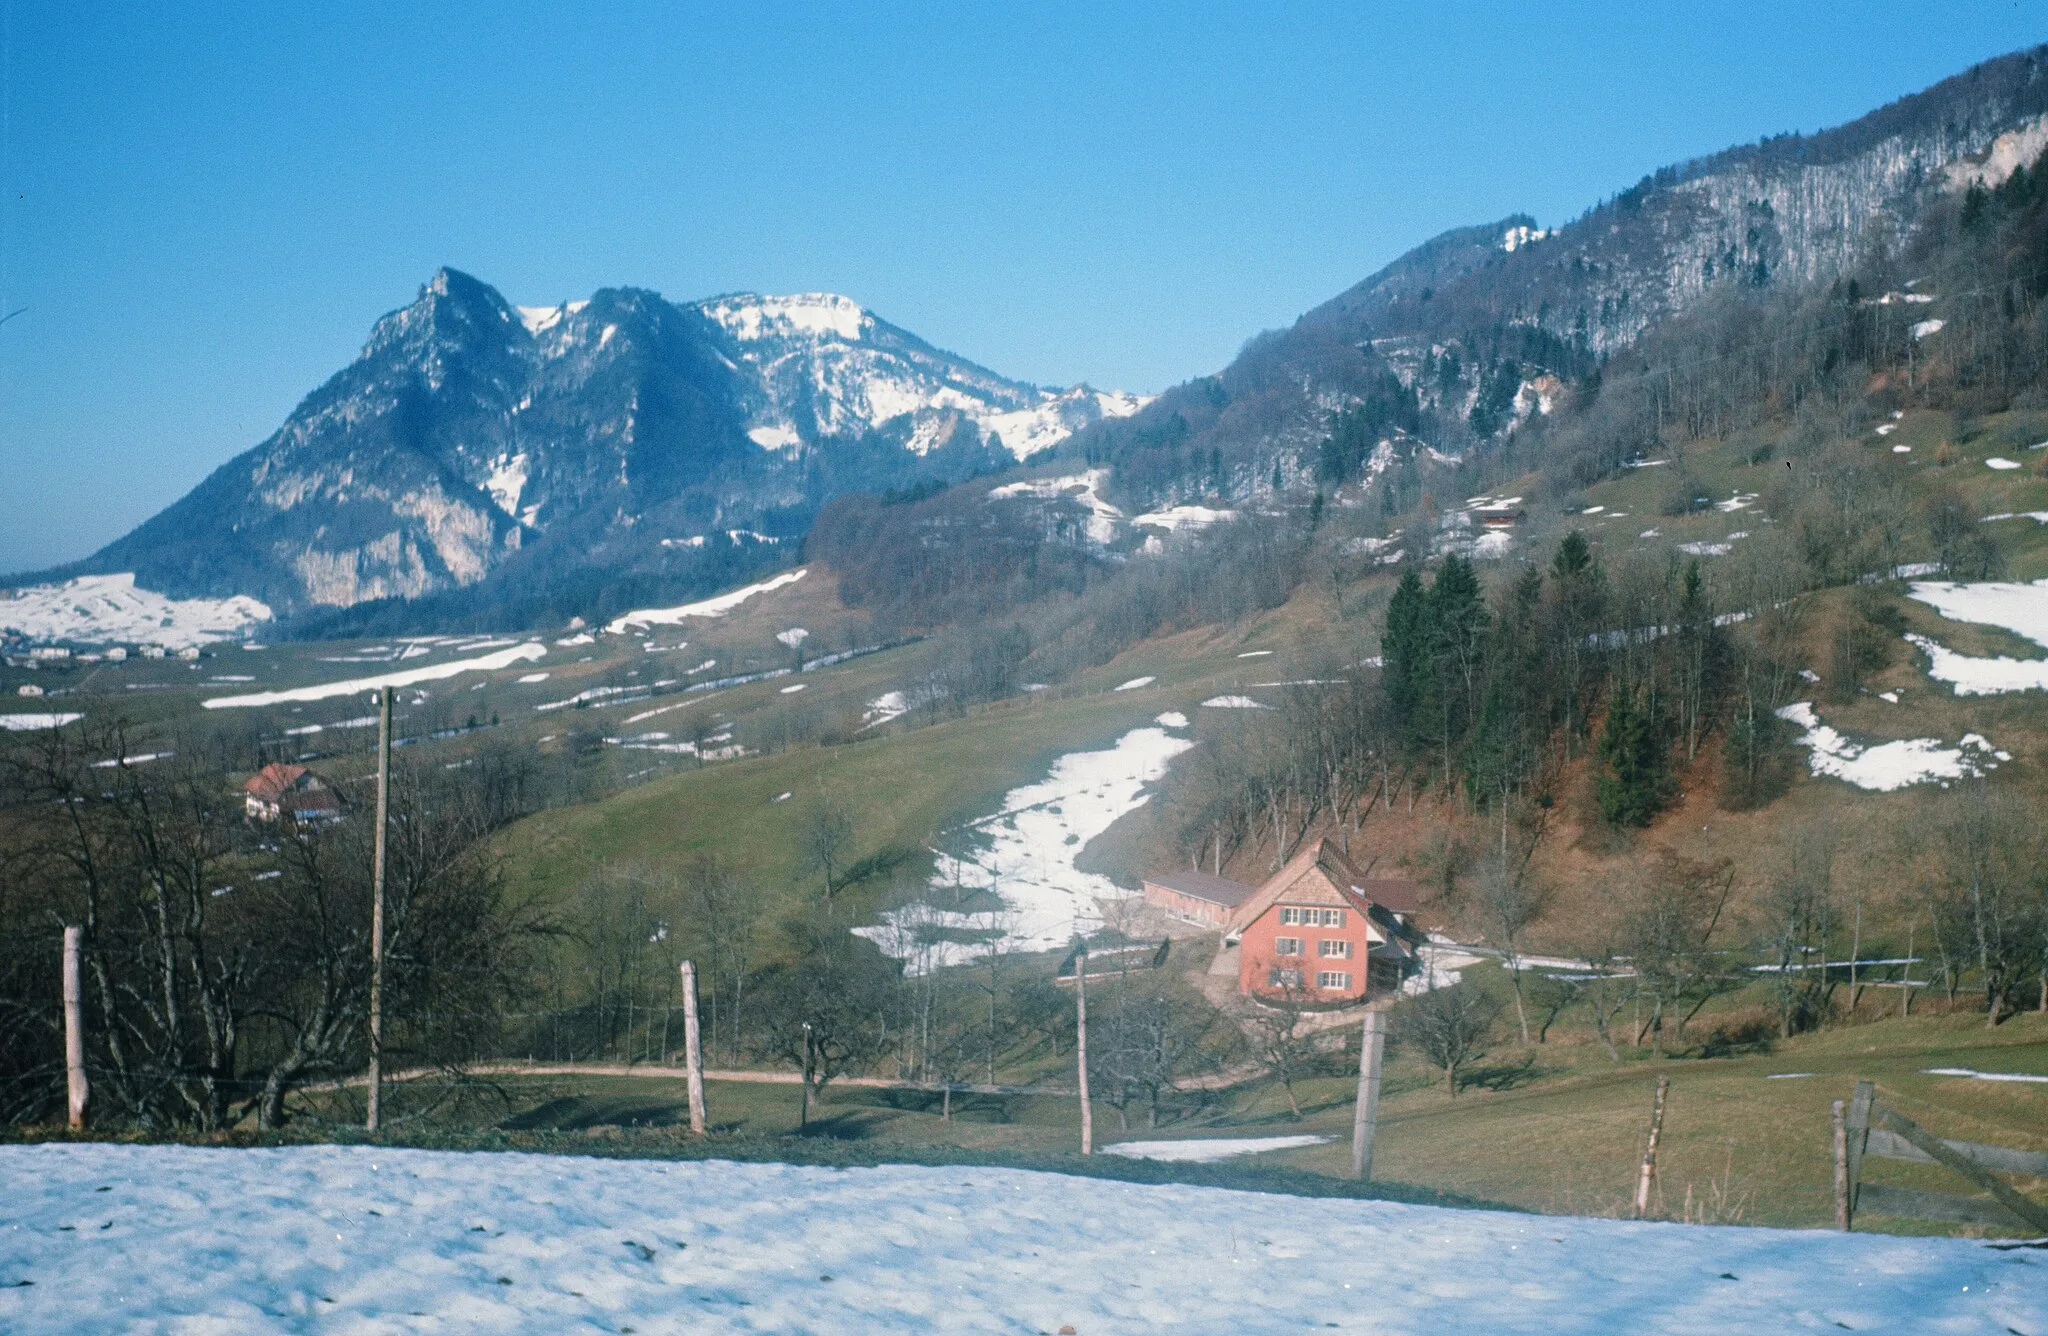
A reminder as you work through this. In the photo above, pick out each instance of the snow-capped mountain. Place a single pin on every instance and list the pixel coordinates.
(558, 455)
(821, 367)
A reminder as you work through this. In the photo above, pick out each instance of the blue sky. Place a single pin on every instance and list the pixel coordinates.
(205, 208)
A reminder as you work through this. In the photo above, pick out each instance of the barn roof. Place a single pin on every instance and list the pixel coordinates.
(1202, 886)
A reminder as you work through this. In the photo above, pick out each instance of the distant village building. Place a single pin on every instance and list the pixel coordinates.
(1196, 897)
(1319, 932)
(279, 791)
(117, 655)
(152, 651)
(28, 689)
(56, 653)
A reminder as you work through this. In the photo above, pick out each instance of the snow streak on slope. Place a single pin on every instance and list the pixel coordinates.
(106, 609)
(1032, 841)
(362, 1238)
(706, 607)
(1183, 517)
(503, 658)
(28, 723)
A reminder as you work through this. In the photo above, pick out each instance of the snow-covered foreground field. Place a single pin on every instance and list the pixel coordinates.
(354, 1239)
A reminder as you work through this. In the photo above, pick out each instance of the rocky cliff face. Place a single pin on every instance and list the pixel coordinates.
(1482, 326)
(473, 440)
(1789, 209)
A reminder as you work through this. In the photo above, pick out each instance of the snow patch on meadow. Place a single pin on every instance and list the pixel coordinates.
(1887, 766)
(889, 705)
(2019, 608)
(1026, 855)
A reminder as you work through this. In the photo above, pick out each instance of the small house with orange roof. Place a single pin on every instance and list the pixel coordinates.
(1318, 931)
(279, 791)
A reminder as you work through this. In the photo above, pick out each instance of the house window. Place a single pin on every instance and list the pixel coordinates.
(1339, 950)
(1330, 918)
(1278, 978)
(1287, 946)
(1337, 980)
(1289, 917)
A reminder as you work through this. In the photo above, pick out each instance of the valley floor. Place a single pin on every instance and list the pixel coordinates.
(373, 1239)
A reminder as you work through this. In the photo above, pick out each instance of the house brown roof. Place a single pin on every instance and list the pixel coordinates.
(273, 779)
(1321, 874)
(1203, 886)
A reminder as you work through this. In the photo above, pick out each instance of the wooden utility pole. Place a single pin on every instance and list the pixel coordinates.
(1081, 1048)
(1841, 1165)
(77, 1088)
(1649, 1169)
(377, 910)
(693, 1053)
(1365, 1115)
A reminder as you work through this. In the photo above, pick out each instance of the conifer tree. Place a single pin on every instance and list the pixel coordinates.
(1404, 649)
(1638, 782)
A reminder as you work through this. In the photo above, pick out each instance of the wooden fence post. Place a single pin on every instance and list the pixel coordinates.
(693, 1052)
(1365, 1115)
(1649, 1169)
(1841, 1165)
(1081, 1048)
(1859, 1137)
(76, 1088)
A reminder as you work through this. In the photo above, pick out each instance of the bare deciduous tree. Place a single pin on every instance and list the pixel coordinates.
(1667, 930)
(1797, 927)
(1990, 896)
(826, 841)
(722, 919)
(1510, 900)
(1448, 1026)
(1283, 1039)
